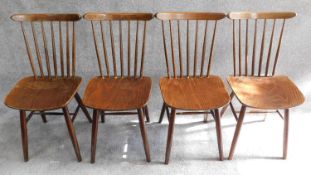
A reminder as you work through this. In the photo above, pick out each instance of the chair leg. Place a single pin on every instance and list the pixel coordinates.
(146, 112)
(43, 116)
(170, 136)
(78, 98)
(219, 134)
(233, 111)
(144, 134)
(103, 117)
(223, 110)
(94, 134)
(162, 113)
(237, 131)
(75, 113)
(24, 134)
(72, 133)
(285, 139)
(167, 113)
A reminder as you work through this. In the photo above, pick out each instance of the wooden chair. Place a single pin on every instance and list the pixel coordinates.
(51, 88)
(122, 89)
(193, 89)
(254, 82)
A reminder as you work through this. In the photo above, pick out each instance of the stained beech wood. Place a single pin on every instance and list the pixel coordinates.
(117, 16)
(72, 133)
(137, 92)
(194, 93)
(24, 134)
(42, 94)
(120, 93)
(49, 91)
(46, 17)
(94, 135)
(277, 92)
(261, 15)
(285, 137)
(170, 136)
(237, 132)
(219, 133)
(144, 134)
(189, 16)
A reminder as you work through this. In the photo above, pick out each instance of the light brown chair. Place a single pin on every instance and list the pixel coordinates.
(254, 82)
(126, 89)
(193, 89)
(51, 88)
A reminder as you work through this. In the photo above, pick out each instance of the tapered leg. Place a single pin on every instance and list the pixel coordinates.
(94, 134)
(78, 98)
(144, 134)
(233, 111)
(43, 116)
(170, 136)
(237, 131)
(24, 134)
(285, 139)
(103, 116)
(223, 110)
(146, 112)
(219, 134)
(162, 113)
(72, 133)
(167, 112)
(75, 113)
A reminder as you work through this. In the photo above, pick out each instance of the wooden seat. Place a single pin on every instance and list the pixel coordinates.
(194, 93)
(277, 92)
(54, 82)
(43, 94)
(122, 87)
(188, 84)
(117, 94)
(256, 46)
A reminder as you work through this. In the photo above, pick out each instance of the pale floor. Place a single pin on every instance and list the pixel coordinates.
(120, 149)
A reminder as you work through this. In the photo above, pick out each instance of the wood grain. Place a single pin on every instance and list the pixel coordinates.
(190, 16)
(117, 16)
(194, 93)
(46, 17)
(117, 94)
(261, 15)
(277, 92)
(42, 94)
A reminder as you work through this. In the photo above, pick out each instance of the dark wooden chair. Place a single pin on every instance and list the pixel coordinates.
(45, 91)
(254, 82)
(193, 90)
(126, 89)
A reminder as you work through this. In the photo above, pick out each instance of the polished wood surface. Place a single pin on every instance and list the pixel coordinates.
(261, 15)
(202, 43)
(277, 92)
(189, 84)
(117, 89)
(46, 17)
(190, 16)
(109, 94)
(72, 133)
(95, 16)
(194, 93)
(99, 22)
(24, 134)
(42, 94)
(264, 58)
(47, 89)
